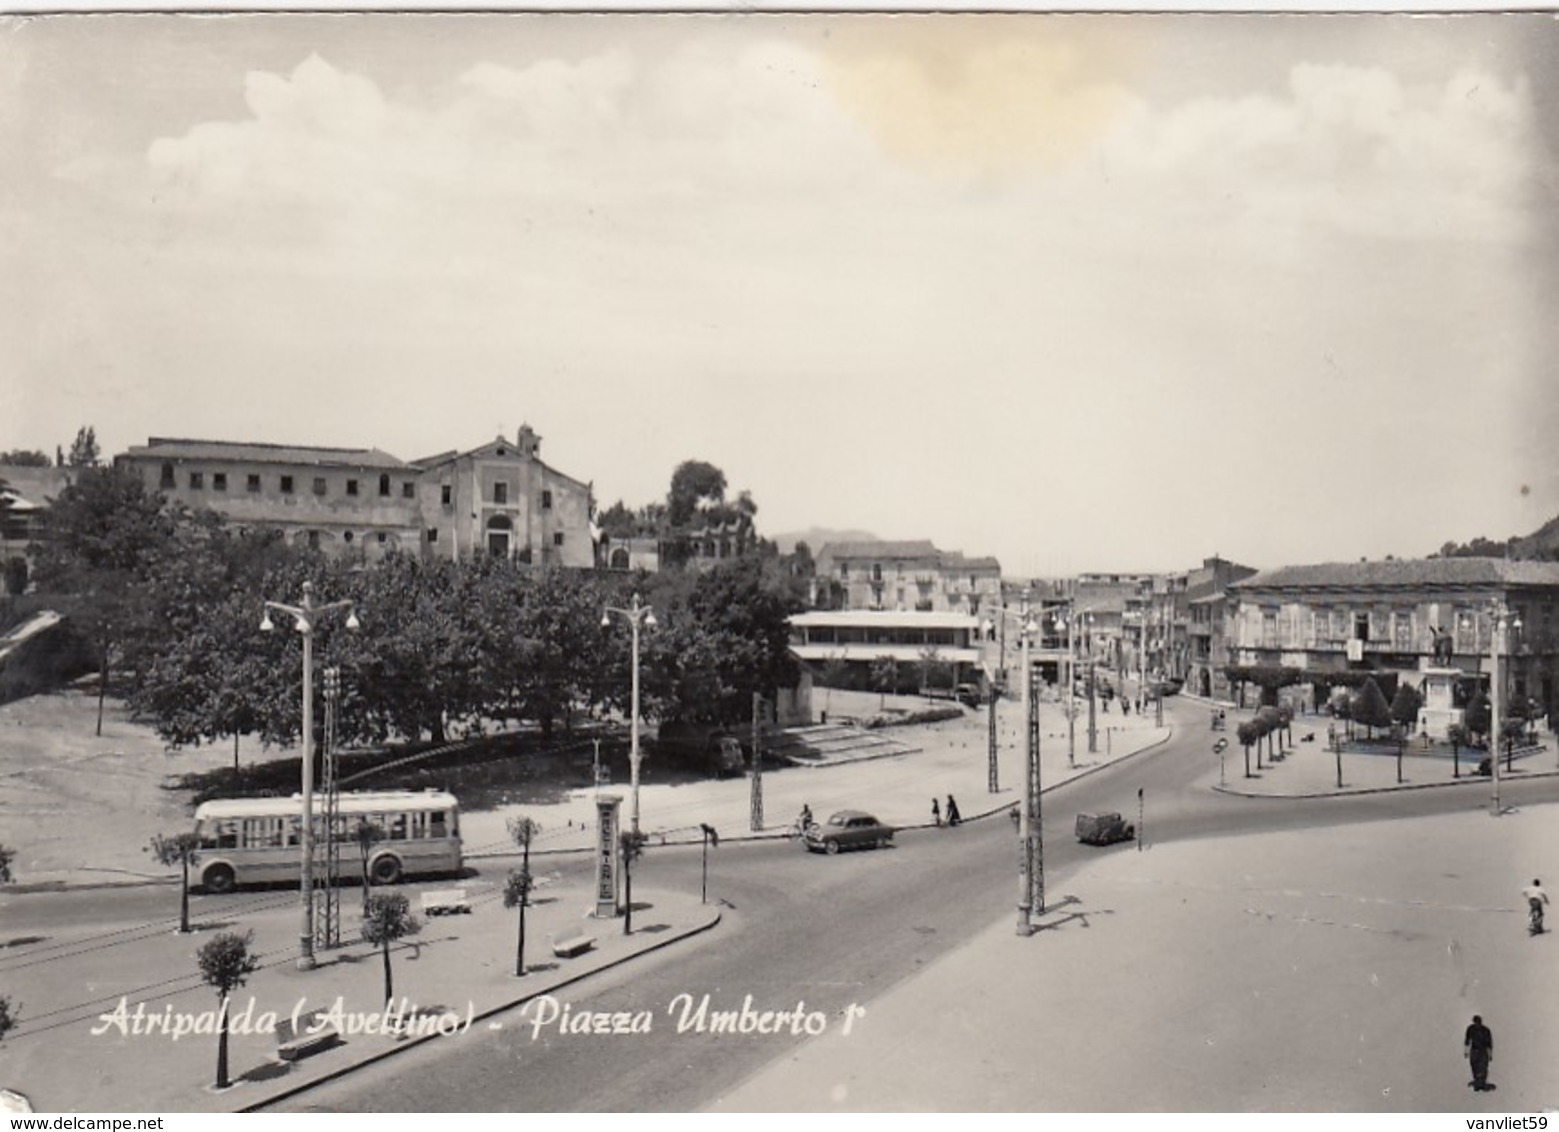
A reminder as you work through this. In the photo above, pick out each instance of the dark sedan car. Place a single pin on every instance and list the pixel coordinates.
(848, 829)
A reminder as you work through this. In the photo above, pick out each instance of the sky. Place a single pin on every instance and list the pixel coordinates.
(1085, 293)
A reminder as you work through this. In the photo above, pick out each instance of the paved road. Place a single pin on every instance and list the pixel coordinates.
(829, 932)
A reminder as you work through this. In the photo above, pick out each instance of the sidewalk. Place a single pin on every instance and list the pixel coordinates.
(459, 969)
(1309, 768)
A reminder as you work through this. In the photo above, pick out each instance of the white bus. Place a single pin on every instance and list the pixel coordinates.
(257, 840)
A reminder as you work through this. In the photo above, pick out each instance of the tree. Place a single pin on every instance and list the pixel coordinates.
(25, 458)
(1248, 735)
(933, 669)
(225, 963)
(631, 844)
(366, 834)
(723, 637)
(421, 670)
(693, 483)
(517, 889)
(885, 675)
(101, 537)
(84, 451)
(1404, 710)
(177, 849)
(386, 918)
(1370, 708)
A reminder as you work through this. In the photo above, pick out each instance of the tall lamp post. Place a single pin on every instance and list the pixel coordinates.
(1093, 724)
(1503, 621)
(1069, 623)
(637, 614)
(307, 614)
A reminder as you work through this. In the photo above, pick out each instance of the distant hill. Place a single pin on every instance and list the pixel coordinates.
(1541, 543)
(815, 537)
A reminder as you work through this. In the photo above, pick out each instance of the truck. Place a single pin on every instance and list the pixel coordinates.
(1104, 829)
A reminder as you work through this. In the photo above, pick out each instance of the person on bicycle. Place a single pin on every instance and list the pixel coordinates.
(804, 822)
(1536, 898)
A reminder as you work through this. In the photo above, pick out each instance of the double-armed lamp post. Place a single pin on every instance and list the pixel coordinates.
(306, 615)
(1503, 621)
(637, 614)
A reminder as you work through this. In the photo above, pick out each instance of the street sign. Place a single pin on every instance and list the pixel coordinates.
(1220, 746)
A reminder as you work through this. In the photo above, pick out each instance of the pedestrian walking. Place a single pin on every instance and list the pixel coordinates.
(953, 817)
(1478, 1049)
(936, 813)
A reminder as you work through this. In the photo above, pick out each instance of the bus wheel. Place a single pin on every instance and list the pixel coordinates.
(386, 870)
(219, 879)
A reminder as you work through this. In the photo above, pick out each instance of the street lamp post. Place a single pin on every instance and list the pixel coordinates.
(1093, 724)
(1069, 623)
(307, 614)
(637, 614)
(1504, 620)
(1031, 895)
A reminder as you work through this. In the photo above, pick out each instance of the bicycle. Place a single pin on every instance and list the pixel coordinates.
(798, 830)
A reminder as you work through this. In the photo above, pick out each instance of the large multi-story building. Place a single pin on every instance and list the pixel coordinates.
(1204, 610)
(1404, 617)
(498, 498)
(909, 576)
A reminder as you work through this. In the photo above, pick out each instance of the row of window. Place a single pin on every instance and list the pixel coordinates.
(557, 536)
(500, 495)
(279, 832)
(922, 577)
(287, 484)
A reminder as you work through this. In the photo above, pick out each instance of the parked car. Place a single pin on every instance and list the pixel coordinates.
(848, 829)
(967, 694)
(1104, 829)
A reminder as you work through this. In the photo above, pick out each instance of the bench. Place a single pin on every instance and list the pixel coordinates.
(445, 902)
(573, 945)
(310, 1036)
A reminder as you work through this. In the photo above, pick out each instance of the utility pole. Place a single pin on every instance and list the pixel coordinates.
(991, 760)
(757, 763)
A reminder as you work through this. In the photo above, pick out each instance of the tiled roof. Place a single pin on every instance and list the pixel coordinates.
(1407, 572)
(882, 548)
(33, 484)
(164, 448)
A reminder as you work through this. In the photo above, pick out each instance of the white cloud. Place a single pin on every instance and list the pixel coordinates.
(1347, 150)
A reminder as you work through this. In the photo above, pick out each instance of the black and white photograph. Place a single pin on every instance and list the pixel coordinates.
(760, 562)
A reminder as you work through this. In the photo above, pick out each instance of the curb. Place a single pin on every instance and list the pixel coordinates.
(412, 1043)
(1471, 780)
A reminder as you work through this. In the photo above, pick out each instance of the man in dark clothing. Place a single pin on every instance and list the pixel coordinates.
(1479, 1050)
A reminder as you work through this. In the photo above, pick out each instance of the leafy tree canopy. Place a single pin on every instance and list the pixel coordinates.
(26, 458)
(84, 452)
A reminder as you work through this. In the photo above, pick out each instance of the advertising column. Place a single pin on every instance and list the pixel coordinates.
(606, 807)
